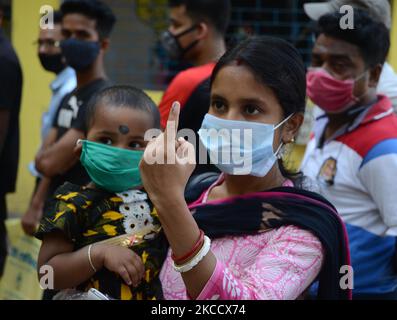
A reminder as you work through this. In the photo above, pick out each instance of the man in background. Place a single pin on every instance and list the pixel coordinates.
(86, 29)
(380, 11)
(353, 151)
(52, 60)
(196, 35)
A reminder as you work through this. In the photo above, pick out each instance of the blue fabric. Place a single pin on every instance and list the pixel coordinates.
(381, 149)
(64, 83)
(372, 261)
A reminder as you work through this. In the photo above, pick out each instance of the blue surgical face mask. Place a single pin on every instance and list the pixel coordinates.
(80, 54)
(240, 147)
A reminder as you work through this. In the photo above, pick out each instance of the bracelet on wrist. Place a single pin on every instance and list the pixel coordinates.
(196, 259)
(90, 259)
(197, 246)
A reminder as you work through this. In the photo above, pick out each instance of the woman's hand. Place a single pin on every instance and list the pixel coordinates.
(168, 163)
(123, 261)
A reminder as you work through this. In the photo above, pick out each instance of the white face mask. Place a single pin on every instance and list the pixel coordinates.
(240, 147)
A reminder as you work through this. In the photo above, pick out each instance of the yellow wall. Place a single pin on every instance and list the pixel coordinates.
(36, 93)
(155, 95)
(393, 48)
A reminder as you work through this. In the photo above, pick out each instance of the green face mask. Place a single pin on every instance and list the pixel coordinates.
(113, 169)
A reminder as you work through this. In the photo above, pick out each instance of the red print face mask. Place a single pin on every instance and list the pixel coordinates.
(330, 94)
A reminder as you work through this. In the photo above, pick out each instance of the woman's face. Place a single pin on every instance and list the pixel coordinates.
(237, 95)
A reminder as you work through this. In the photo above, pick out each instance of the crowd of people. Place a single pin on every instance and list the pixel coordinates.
(242, 224)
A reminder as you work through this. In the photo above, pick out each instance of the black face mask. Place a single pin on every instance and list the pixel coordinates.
(172, 45)
(52, 62)
(79, 54)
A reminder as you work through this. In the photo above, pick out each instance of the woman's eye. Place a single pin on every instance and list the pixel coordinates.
(106, 141)
(251, 110)
(218, 105)
(135, 145)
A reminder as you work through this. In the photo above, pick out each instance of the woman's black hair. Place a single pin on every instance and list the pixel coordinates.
(125, 97)
(278, 65)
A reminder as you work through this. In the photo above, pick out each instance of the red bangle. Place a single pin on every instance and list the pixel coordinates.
(196, 247)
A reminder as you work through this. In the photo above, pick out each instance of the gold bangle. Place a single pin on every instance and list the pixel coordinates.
(89, 258)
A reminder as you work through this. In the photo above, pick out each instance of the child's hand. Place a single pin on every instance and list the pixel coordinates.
(125, 262)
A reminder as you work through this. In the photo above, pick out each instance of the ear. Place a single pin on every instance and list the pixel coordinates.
(202, 30)
(291, 128)
(105, 43)
(374, 75)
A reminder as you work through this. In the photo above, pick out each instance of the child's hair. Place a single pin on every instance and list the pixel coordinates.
(278, 65)
(122, 97)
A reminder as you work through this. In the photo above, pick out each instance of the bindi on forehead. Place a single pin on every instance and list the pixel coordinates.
(123, 129)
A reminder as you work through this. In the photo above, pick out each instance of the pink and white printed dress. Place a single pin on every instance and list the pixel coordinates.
(276, 265)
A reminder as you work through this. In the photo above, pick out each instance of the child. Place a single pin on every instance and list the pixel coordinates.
(84, 228)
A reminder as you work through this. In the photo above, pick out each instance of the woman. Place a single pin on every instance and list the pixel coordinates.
(270, 239)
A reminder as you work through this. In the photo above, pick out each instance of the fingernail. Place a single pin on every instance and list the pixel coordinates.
(175, 106)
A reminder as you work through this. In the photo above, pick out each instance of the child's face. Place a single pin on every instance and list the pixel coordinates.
(120, 127)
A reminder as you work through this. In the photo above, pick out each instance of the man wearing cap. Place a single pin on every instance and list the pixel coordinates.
(352, 155)
(379, 10)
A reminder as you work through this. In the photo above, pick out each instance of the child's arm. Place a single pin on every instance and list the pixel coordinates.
(71, 268)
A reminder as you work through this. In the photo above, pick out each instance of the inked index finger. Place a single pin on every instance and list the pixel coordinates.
(172, 123)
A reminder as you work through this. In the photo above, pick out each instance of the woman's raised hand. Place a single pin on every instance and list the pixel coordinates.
(168, 162)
